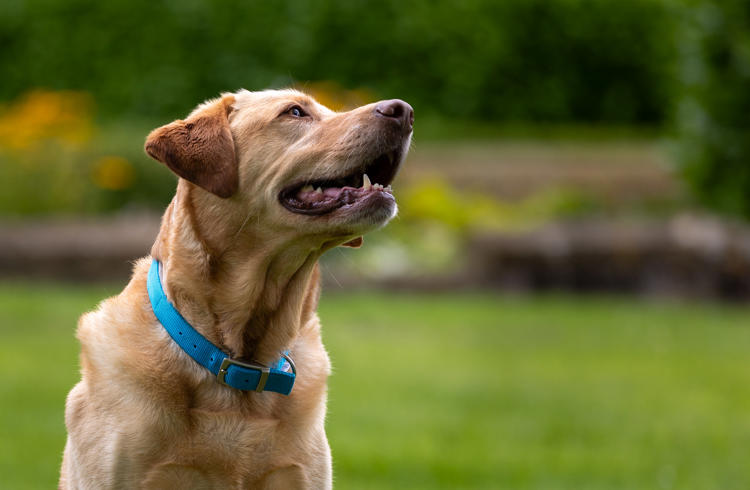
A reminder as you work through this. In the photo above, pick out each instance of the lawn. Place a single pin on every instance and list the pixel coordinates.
(459, 390)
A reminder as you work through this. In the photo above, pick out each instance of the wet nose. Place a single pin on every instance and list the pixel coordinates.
(397, 110)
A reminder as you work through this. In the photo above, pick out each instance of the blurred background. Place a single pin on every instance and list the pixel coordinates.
(562, 300)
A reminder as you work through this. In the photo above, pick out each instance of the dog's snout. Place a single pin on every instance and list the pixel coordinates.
(398, 110)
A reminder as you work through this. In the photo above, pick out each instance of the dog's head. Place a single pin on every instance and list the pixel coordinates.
(289, 162)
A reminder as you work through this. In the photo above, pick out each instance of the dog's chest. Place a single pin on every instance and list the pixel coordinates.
(217, 450)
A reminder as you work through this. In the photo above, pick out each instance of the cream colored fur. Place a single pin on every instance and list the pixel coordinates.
(243, 271)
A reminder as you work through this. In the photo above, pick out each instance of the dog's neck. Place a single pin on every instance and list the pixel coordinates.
(249, 297)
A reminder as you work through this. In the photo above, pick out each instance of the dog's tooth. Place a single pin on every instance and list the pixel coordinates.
(307, 188)
(389, 188)
(366, 182)
(319, 191)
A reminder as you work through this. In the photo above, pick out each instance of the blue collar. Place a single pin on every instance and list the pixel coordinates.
(240, 375)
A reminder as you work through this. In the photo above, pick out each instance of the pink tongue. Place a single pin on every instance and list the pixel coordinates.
(309, 196)
(312, 196)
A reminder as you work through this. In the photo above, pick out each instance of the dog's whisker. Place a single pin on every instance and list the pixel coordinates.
(242, 226)
(333, 276)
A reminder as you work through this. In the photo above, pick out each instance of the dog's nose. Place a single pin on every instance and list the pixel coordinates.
(398, 110)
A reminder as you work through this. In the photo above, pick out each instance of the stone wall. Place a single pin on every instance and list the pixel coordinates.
(686, 256)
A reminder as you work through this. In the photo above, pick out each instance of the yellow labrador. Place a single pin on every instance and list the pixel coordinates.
(268, 182)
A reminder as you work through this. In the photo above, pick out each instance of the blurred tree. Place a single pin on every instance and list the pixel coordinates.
(512, 60)
(713, 114)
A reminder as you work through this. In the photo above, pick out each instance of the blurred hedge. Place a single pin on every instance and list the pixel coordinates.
(55, 159)
(714, 111)
(512, 60)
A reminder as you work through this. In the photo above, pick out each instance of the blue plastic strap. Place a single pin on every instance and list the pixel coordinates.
(280, 379)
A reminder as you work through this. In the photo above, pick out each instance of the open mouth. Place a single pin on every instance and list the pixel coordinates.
(370, 182)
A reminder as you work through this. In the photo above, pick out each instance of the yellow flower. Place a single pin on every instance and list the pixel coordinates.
(113, 173)
(336, 97)
(44, 115)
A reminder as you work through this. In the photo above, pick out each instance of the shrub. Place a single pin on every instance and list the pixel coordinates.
(713, 114)
(512, 60)
(55, 160)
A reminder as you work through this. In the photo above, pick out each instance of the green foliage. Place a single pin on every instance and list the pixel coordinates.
(55, 160)
(436, 220)
(458, 391)
(714, 111)
(512, 60)
(106, 175)
(436, 201)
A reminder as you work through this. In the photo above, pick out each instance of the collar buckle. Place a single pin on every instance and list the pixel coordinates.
(288, 358)
(264, 372)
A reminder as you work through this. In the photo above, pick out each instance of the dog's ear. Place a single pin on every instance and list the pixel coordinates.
(355, 243)
(200, 148)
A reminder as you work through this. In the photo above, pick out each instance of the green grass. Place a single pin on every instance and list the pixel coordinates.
(460, 391)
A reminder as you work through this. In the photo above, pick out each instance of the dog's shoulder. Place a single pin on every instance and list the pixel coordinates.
(119, 328)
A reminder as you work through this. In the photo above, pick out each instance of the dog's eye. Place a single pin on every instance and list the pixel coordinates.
(296, 111)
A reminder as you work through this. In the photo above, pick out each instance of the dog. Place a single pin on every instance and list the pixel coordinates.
(208, 370)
